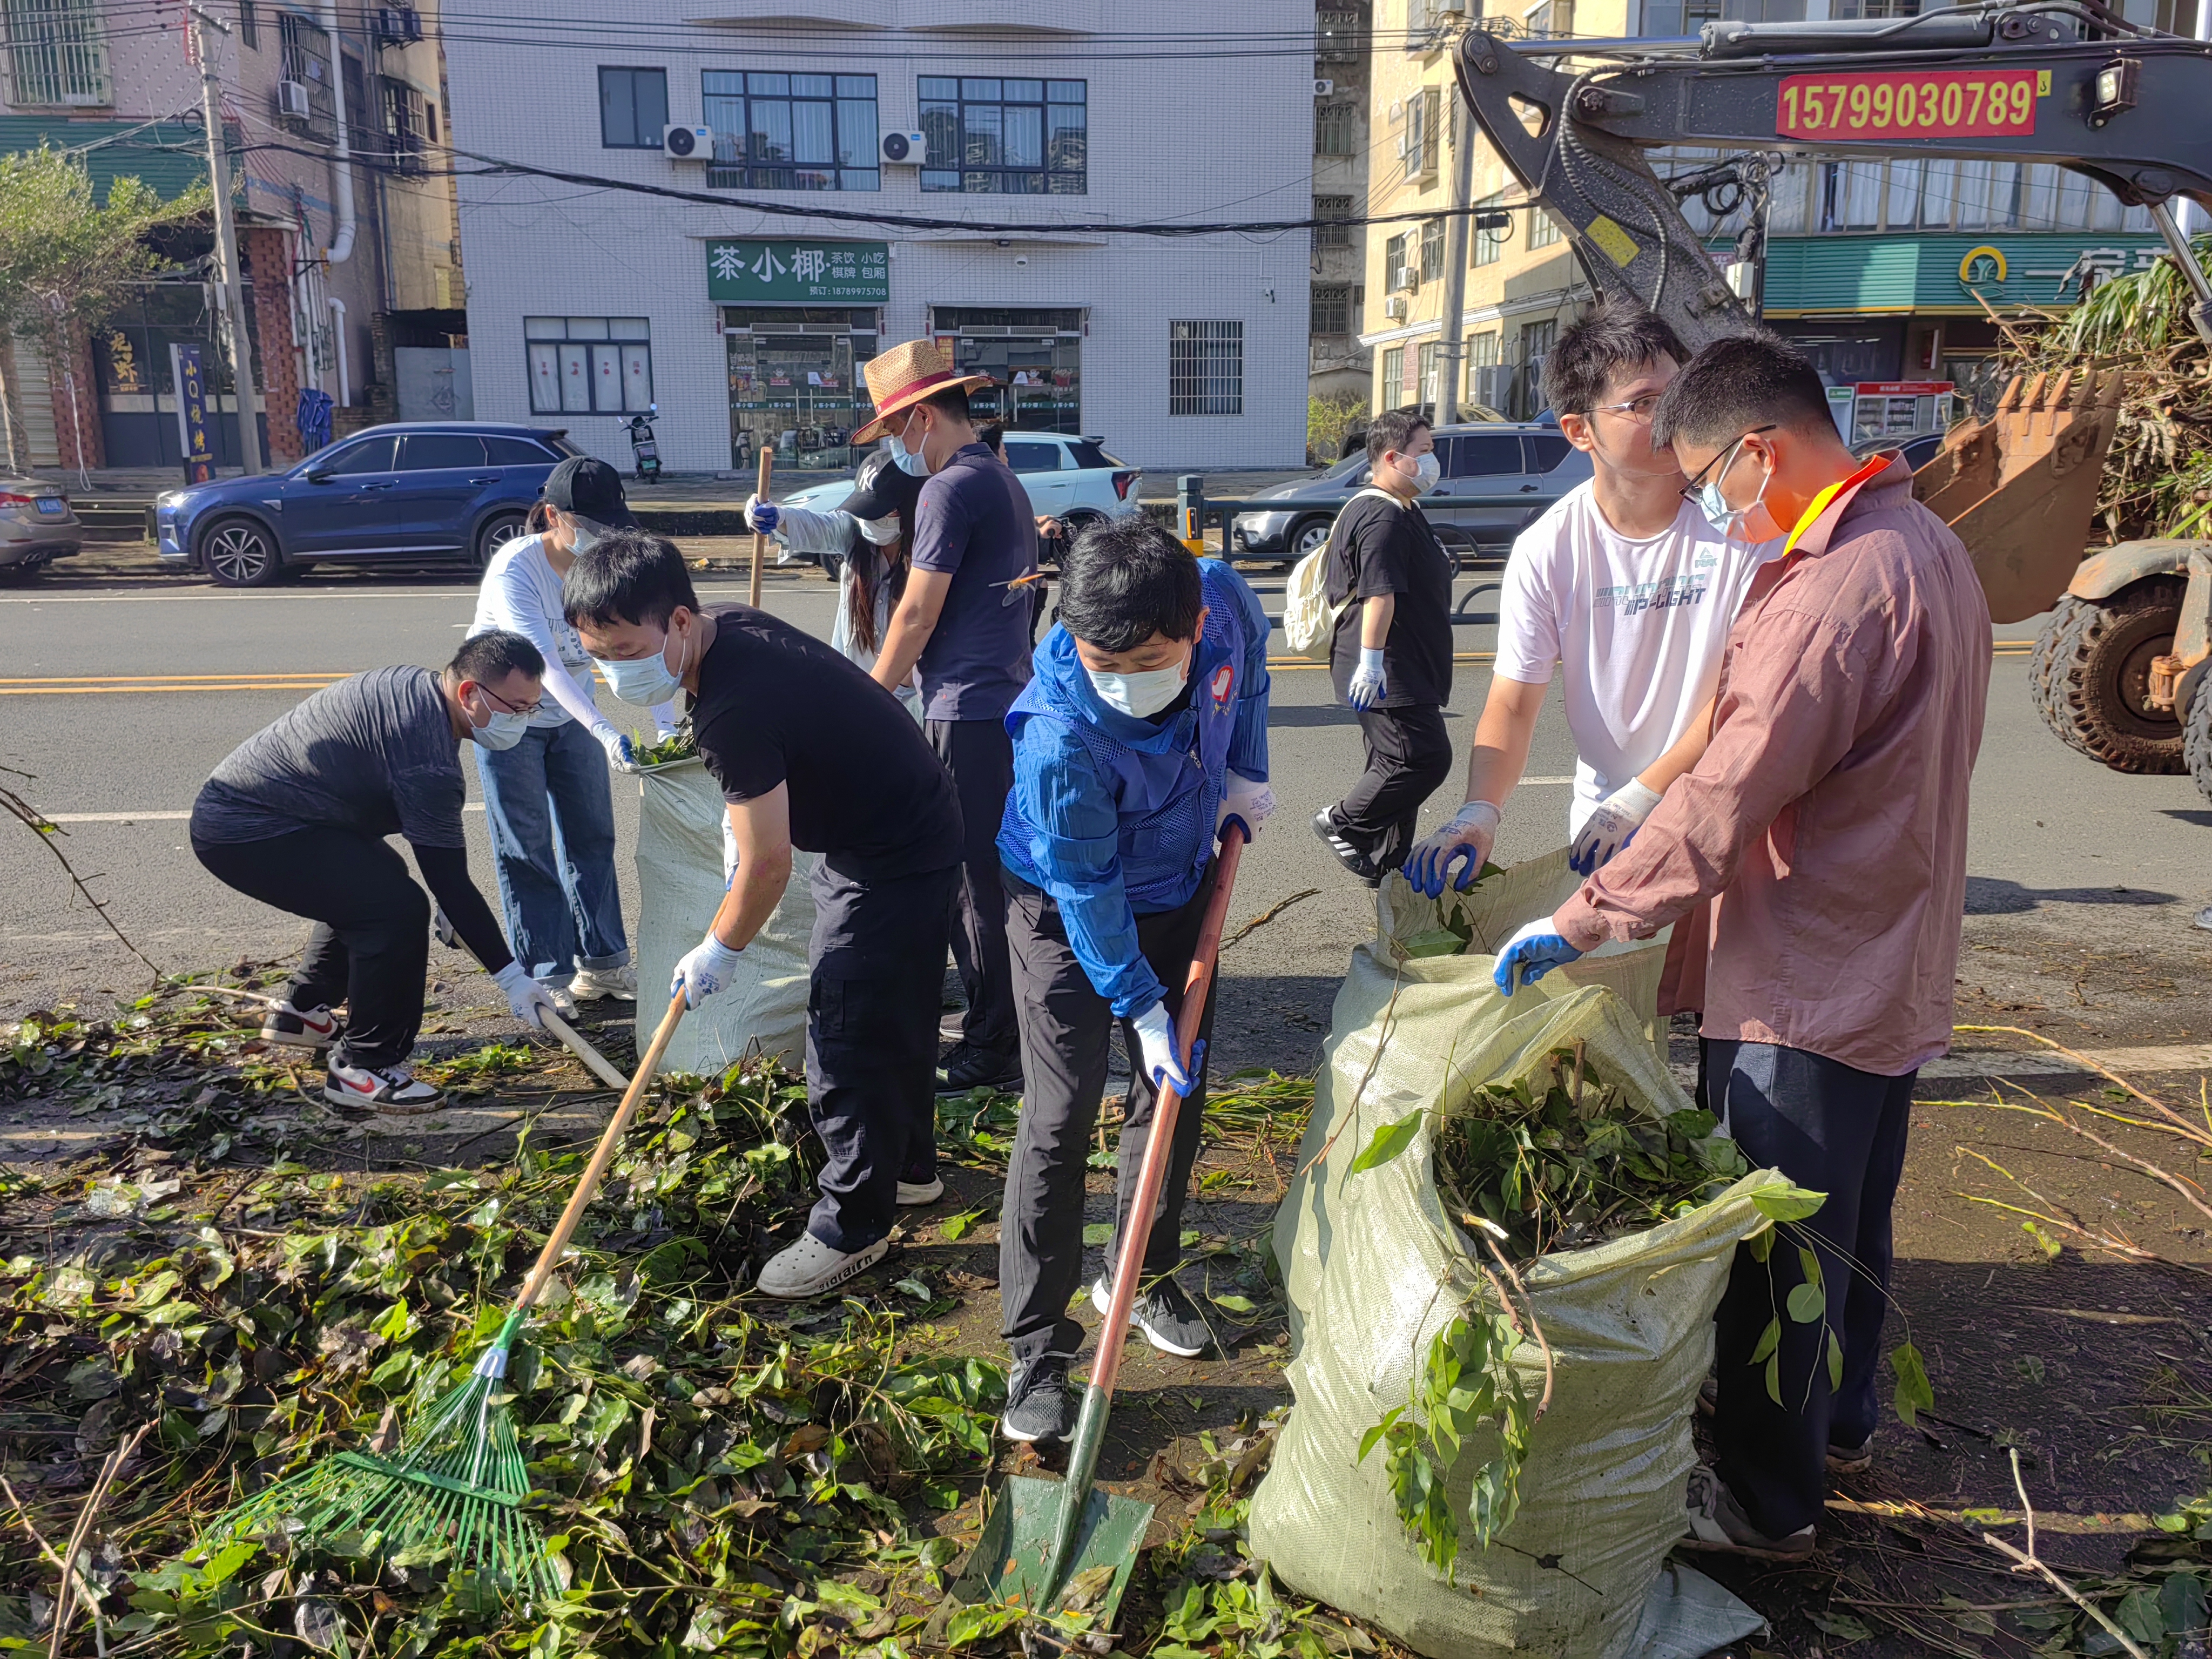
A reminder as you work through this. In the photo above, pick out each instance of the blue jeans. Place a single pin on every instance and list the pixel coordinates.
(552, 816)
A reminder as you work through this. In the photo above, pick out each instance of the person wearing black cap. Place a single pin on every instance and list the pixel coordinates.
(546, 799)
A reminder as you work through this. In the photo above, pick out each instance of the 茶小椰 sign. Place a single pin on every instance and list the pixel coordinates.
(740, 272)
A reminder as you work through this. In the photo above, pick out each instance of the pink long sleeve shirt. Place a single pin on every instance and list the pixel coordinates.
(1827, 819)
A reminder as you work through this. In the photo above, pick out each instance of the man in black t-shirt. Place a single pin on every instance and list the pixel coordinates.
(1391, 656)
(812, 754)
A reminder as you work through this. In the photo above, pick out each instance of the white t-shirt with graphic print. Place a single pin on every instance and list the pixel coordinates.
(1639, 625)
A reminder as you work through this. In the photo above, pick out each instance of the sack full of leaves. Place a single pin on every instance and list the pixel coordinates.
(684, 858)
(1502, 1254)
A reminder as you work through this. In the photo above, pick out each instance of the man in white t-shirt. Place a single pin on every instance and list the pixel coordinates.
(1625, 583)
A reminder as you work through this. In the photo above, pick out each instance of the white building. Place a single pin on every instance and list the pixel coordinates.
(585, 303)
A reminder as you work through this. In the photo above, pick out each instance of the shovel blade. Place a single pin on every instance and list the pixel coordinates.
(1013, 1564)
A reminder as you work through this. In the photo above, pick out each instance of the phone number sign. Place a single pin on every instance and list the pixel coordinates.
(857, 273)
(1957, 104)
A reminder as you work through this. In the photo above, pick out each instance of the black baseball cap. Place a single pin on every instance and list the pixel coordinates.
(589, 491)
(881, 488)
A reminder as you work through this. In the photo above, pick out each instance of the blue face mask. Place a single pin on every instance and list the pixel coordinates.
(1727, 520)
(644, 681)
(908, 461)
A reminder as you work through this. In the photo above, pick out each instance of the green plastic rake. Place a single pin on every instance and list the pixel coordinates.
(454, 1486)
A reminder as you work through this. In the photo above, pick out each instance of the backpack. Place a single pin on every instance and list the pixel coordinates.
(1309, 619)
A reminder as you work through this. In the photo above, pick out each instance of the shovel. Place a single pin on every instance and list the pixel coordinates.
(1063, 1545)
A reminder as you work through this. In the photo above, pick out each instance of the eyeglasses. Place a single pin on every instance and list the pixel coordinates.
(530, 712)
(1637, 409)
(1724, 461)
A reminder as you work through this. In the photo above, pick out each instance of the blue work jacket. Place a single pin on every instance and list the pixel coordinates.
(1114, 815)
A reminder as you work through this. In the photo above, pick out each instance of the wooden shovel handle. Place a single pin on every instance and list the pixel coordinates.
(565, 1228)
(760, 541)
(595, 1062)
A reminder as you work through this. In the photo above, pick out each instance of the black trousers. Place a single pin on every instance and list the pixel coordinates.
(1066, 1027)
(1841, 1132)
(1409, 754)
(980, 755)
(371, 942)
(877, 961)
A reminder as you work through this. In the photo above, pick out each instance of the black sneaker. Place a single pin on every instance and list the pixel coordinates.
(301, 1028)
(1324, 825)
(1040, 1405)
(966, 1067)
(1164, 1313)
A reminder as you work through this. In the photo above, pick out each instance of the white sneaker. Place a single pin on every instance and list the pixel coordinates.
(563, 999)
(810, 1267)
(301, 1028)
(378, 1089)
(598, 984)
(914, 1193)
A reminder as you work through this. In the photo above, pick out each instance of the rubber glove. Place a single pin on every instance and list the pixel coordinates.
(1368, 686)
(1612, 826)
(620, 754)
(1248, 801)
(1530, 955)
(1156, 1038)
(1465, 839)
(760, 515)
(526, 998)
(707, 969)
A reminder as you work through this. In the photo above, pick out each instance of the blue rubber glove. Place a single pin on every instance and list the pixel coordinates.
(1368, 686)
(1611, 826)
(1465, 840)
(1156, 1038)
(1530, 955)
(760, 515)
(620, 754)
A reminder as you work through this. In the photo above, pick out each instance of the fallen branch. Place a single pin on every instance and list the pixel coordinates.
(1268, 915)
(2125, 1249)
(65, 1603)
(1535, 1327)
(2188, 1191)
(2181, 1125)
(46, 831)
(2026, 1562)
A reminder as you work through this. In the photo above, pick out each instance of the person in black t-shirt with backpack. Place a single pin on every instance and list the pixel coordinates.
(1391, 655)
(810, 753)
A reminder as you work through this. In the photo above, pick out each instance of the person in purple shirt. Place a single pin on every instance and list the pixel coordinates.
(965, 619)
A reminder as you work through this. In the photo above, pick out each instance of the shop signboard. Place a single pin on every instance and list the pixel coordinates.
(751, 272)
(1952, 273)
(190, 381)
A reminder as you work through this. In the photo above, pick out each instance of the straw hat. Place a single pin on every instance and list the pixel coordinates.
(903, 376)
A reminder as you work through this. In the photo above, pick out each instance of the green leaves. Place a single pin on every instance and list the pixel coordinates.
(957, 1227)
(1788, 1203)
(1466, 1380)
(1913, 1394)
(1389, 1140)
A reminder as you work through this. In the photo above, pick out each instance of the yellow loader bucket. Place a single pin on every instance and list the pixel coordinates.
(2021, 487)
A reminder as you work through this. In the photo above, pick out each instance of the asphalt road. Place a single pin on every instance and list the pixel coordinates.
(119, 697)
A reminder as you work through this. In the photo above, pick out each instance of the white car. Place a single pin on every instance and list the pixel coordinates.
(1068, 478)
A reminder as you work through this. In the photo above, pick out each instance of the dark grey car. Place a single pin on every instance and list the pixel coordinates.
(1493, 481)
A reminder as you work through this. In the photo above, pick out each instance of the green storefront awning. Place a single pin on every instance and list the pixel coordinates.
(1943, 273)
(168, 157)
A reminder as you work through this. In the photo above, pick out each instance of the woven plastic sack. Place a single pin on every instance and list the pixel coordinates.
(681, 861)
(1374, 1267)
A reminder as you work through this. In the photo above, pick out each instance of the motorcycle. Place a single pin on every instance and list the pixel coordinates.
(645, 454)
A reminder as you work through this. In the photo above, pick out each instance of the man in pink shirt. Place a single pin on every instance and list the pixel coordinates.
(1827, 822)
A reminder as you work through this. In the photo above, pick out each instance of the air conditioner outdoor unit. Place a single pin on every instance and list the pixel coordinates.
(1394, 307)
(398, 24)
(1409, 278)
(292, 100)
(904, 149)
(1322, 88)
(688, 143)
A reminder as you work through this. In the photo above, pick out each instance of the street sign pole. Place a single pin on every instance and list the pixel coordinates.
(226, 241)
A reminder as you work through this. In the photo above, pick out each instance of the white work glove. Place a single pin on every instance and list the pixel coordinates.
(1468, 836)
(706, 970)
(1609, 829)
(1248, 800)
(1368, 686)
(620, 754)
(526, 999)
(760, 515)
(1156, 1038)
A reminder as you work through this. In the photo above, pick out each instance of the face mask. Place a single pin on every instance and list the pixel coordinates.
(1426, 471)
(644, 681)
(1139, 695)
(880, 532)
(502, 730)
(909, 460)
(1729, 520)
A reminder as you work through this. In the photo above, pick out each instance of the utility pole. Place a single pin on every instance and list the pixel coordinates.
(1449, 373)
(232, 285)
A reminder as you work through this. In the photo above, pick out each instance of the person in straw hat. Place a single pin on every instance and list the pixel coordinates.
(964, 621)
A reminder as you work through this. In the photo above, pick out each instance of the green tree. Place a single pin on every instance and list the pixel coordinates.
(67, 259)
(1328, 419)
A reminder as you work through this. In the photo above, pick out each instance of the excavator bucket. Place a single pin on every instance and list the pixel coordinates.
(2021, 489)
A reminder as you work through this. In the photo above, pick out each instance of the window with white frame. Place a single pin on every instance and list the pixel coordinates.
(1424, 127)
(1393, 371)
(1426, 362)
(589, 365)
(1432, 249)
(1543, 229)
(57, 54)
(1489, 245)
(1397, 273)
(1205, 367)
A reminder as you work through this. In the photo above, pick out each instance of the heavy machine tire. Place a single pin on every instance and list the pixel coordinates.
(2092, 685)
(2197, 737)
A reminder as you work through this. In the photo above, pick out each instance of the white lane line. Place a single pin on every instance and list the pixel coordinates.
(456, 595)
(158, 817)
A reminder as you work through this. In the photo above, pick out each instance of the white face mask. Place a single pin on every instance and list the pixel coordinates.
(879, 533)
(1425, 473)
(502, 730)
(1139, 695)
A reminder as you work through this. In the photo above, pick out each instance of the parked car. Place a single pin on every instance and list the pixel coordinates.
(1495, 479)
(410, 493)
(37, 526)
(1072, 479)
(1355, 441)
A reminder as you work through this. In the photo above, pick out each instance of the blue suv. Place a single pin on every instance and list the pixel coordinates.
(410, 493)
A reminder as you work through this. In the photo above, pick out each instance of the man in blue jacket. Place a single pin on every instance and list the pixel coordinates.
(1144, 729)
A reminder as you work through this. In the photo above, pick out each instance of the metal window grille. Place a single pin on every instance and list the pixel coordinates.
(1336, 131)
(1005, 135)
(1338, 37)
(1206, 368)
(779, 131)
(1432, 250)
(57, 54)
(1331, 308)
(404, 130)
(303, 55)
(1327, 208)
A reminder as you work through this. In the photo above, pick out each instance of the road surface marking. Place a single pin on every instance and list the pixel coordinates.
(172, 818)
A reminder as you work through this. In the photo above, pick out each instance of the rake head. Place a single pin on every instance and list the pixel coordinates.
(452, 1490)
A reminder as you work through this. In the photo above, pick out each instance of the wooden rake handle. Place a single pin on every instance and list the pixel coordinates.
(595, 1062)
(760, 540)
(596, 1170)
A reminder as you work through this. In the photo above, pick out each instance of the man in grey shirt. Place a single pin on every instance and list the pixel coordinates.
(296, 817)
